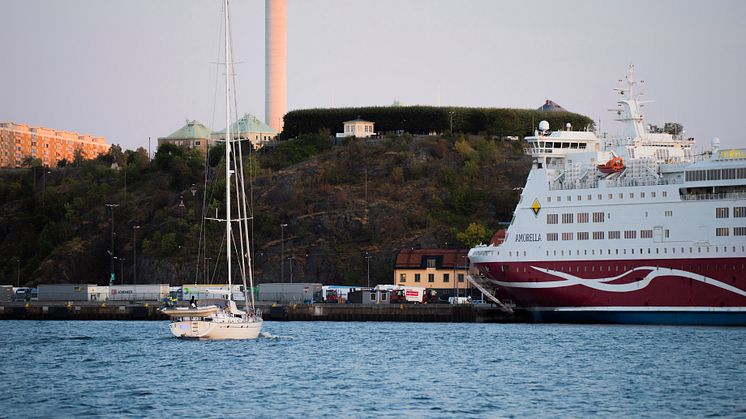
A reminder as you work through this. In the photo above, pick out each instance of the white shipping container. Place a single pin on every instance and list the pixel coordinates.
(210, 292)
(139, 292)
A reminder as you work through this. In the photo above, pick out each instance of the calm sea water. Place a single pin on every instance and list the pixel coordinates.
(108, 368)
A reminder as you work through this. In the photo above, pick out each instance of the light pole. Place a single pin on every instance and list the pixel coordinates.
(44, 181)
(367, 258)
(282, 252)
(111, 249)
(290, 258)
(134, 253)
(121, 270)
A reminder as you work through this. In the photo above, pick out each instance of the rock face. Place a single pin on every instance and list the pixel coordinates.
(348, 211)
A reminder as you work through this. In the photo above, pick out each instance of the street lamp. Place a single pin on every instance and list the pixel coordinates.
(282, 252)
(134, 253)
(111, 249)
(44, 181)
(367, 257)
(291, 258)
(121, 269)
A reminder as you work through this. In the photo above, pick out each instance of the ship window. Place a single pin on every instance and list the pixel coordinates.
(721, 232)
(582, 145)
(631, 195)
(559, 199)
(549, 199)
(567, 218)
(642, 194)
(739, 212)
(580, 198)
(739, 231)
(664, 193)
(569, 198)
(611, 196)
(621, 196)
(589, 197)
(617, 252)
(573, 145)
(721, 212)
(552, 218)
(652, 194)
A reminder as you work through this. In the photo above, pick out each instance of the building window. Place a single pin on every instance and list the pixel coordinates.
(446, 278)
(664, 193)
(721, 212)
(460, 277)
(720, 232)
(402, 277)
(431, 263)
(416, 277)
(430, 277)
(552, 218)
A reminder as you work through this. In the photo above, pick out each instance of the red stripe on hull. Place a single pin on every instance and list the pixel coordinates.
(688, 284)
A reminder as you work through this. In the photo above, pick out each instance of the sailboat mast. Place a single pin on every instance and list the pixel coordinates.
(228, 248)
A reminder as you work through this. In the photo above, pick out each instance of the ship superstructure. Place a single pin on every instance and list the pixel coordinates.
(639, 228)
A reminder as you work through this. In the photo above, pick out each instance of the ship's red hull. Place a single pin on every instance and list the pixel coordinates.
(663, 285)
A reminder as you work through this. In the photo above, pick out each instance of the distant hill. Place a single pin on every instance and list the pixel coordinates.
(341, 203)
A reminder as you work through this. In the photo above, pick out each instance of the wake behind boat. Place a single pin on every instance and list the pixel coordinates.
(229, 322)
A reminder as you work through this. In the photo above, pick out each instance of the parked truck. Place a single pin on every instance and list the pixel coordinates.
(413, 295)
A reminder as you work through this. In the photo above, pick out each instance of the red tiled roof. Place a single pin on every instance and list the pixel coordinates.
(417, 258)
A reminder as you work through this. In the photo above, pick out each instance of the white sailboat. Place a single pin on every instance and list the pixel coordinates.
(229, 322)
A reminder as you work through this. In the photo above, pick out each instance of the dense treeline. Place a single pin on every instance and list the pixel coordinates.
(430, 119)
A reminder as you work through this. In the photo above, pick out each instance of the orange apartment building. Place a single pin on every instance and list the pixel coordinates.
(19, 141)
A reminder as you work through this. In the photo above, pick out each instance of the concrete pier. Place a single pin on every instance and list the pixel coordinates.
(123, 310)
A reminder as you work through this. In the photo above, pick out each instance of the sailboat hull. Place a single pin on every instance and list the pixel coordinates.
(213, 330)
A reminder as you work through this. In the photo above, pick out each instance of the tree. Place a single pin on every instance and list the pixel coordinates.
(474, 234)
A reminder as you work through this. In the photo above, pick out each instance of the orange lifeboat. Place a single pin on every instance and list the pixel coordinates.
(616, 164)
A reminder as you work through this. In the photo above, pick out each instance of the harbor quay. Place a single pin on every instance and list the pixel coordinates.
(125, 310)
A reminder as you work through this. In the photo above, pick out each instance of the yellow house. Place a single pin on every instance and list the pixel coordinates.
(440, 269)
(357, 128)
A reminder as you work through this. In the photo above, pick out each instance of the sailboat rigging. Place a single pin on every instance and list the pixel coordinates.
(229, 322)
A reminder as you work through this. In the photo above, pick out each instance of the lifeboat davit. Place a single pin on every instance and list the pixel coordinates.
(614, 165)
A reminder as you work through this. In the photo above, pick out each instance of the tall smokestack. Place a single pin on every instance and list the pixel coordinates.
(275, 104)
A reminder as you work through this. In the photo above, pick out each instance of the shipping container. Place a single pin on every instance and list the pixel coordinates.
(369, 296)
(304, 292)
(140, 292)
(210, 292)
(72, 292)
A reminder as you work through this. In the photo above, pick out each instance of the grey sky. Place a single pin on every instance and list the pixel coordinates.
(131, 69)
